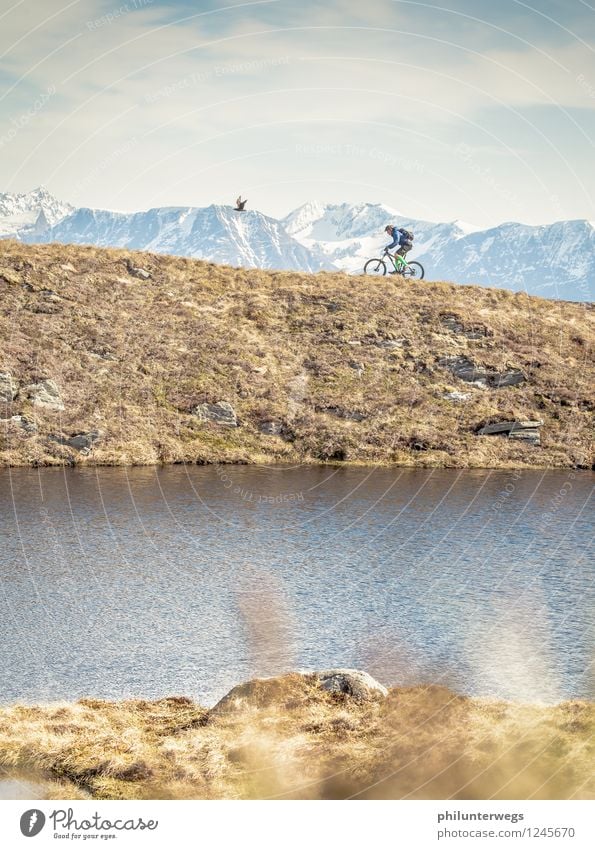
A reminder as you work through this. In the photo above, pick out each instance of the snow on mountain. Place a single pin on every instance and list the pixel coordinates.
(554, 260)
(215, 233)
(37, 209)
(349, 234)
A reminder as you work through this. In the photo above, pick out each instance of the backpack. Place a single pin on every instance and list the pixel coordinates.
(406, 234)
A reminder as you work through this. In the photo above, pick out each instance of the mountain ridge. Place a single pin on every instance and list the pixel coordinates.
(552, 260)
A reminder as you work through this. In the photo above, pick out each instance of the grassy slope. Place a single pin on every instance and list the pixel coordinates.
(294, 740)
(133, 357)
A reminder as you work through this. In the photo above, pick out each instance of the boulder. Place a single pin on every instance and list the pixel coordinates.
(138, 272)
(22, 422)
(523, 429)
(352, 682)
(222, 413)
(465, 369)
(45, 393)
(8, 387)
(291, 689)
(82, 442)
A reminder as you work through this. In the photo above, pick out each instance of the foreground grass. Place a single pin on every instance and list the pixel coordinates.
(291, 739)
(346, 367)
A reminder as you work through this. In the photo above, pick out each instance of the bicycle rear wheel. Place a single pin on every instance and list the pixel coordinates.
(375, 266)
(414, 269)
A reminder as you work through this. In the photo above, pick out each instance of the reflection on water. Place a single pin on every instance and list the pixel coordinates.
(147, 582)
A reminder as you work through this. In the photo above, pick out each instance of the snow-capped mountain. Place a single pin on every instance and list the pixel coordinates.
(215, 233)
(36, 210)
(554, 260)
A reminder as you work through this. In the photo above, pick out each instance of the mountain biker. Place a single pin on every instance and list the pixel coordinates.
(402, 238)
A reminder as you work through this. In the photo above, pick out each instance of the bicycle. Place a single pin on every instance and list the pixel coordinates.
(400, 265)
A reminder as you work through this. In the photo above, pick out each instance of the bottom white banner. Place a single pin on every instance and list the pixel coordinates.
(293, 824)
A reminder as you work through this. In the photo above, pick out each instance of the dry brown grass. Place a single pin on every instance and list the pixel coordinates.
(291, 739)
(133, 357)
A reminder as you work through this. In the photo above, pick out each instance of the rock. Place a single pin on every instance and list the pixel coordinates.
(68, 267)
(508, 378)
(389, 343)
(271, 428)
(260, 370)
(8, 387)
(82, 442)
(359, 685)
(457, 396)
(528, 435)
(526, 430)
(222, 413)
(141, 273)
(357, 367)
(465, 369)
(287, 690)
(455, 324)
(506, 427)
(23, 422)
(45, 393)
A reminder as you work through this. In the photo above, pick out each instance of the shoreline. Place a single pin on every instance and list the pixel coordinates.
(312, 463)
(326, 735)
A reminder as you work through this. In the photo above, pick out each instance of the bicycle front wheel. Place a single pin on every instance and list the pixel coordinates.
(414, 269)
(375, 266)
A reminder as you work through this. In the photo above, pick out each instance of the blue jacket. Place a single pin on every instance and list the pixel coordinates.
(395, 241)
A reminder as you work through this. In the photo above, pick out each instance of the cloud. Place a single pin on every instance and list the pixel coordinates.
(195, 90)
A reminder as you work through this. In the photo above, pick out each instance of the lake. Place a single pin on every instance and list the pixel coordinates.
(148, 582)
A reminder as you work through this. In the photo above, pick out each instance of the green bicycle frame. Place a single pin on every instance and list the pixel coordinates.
(398, 262)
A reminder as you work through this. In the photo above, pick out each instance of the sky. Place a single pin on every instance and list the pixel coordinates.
(475, 110)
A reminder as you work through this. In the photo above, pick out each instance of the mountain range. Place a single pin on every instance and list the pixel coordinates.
(554, 260)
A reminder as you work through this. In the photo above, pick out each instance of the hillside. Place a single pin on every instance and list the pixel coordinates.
(553, 261)
(113, 357)
(288, 737)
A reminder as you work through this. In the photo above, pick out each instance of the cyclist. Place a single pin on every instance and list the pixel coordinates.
(402, 238)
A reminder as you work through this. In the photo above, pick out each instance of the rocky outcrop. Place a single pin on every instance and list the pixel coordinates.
(8, 387)
(526, 430)
(261, 693)
(221, 413)
(21, 421)
(45, 393)
(83, 442)
(465, 369)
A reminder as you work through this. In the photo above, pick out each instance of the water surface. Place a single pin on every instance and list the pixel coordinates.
(150, 582)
